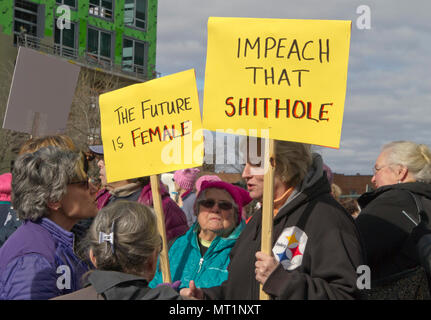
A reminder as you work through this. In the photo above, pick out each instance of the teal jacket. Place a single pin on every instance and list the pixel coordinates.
(186, 262)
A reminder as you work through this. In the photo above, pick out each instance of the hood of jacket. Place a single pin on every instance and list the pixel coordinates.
(313, 184)
(419, 188)
(123, 286)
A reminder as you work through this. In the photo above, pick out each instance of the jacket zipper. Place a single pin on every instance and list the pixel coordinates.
(201, 261)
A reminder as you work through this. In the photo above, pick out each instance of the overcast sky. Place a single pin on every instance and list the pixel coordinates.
(389, 75)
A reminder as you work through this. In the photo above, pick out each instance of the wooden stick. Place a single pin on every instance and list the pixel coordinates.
(268, 204)
(158, 208)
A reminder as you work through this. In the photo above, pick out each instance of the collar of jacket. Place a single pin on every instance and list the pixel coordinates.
(61, 235)
(103, 280)
(219, 243)
(420, 188)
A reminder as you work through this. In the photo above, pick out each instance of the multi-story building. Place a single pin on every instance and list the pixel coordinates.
(110, 38)
(115, 35)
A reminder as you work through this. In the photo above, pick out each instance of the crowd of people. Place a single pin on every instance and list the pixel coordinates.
(65, 236)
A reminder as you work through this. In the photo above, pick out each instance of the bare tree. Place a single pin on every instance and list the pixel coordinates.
(10, 141)
(84, 119)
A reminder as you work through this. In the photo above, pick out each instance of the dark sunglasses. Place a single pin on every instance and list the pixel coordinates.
(209, 203)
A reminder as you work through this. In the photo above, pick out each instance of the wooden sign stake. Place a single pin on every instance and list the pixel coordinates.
(158, 208)
(268, 204)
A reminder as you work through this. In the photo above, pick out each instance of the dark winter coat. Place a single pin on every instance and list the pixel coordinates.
(112, 285)
(387, 219)
(315, 241)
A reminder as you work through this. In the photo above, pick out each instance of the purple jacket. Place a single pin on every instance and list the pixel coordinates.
(38, 262)
(175, 219)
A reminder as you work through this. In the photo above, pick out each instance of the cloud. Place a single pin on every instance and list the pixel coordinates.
(388, 89)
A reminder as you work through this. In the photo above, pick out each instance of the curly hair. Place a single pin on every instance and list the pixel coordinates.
(42, 177)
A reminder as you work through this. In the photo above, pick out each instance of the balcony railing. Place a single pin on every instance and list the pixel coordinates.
(89, 60)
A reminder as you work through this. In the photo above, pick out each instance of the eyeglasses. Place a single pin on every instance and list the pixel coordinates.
(209, 203)
(375, 169)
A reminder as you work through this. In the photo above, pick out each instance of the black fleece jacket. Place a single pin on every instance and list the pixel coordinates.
(317, 242)
(386, 222)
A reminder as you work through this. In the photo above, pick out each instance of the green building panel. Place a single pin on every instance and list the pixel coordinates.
(81, 16)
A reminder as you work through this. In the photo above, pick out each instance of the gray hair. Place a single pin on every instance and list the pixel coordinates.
(135, 233)
(42, 177)
(415, 157)
(292, 161)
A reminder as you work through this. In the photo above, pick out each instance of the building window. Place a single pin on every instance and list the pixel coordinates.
(99, 45)
(135, 13)
(133, 56)
(101, 8)
(70, 3)
(65, 40)
(25, 19)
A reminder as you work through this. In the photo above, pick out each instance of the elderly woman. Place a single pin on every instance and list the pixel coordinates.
(123, 244)
(50, 192)
(316, 247)
(202, 254)
(389, 214)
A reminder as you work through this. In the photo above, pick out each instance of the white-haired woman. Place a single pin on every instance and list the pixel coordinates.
(390, 214)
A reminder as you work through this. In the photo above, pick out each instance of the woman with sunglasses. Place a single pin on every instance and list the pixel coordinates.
(316, 247)
(50, 193)
(202, 254)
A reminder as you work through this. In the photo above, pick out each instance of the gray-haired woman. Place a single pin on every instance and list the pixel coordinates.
(50, 192)
(123, 244)
(390, 214)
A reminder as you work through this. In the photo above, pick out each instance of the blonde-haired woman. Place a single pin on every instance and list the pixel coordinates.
(123, 243)
(391, 213)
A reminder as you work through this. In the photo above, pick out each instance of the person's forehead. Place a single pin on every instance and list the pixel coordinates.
(382, 158)
(218, 194)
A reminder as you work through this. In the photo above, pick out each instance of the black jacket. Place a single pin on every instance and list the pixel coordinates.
(388, 216)
(318, 246)
(112, 285)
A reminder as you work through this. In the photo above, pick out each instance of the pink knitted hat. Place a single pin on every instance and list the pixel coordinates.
(186, 178)
(239, 195)
(208, 178)
(5, 186)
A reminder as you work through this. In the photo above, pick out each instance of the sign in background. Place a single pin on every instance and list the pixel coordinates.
(152, 127)
(286, 75)
(41, 93)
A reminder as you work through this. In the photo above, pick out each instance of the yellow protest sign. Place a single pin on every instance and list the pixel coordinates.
(287, 76)
(152, 127)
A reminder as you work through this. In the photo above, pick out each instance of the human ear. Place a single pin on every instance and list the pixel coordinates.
(93, 258)
(54, 206)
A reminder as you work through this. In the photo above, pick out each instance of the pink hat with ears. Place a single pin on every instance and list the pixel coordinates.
(238, 194)
(186, 178)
